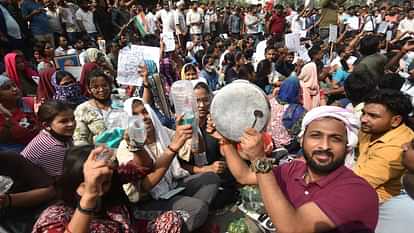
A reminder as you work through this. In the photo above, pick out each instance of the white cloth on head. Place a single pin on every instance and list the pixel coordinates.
(351, 122)
(175, 171)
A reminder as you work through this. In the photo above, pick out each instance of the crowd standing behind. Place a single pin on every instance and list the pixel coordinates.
(341, 106)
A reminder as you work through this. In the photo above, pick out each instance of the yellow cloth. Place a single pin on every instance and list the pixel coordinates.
(380, 161)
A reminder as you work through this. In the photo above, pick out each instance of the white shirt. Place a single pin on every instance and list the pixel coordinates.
(87, 20)
(167, 19)
(68, 17)
(209, 19)
(252, 24)
(369, 23)
(406, 25)
(180, 24)
(152, 22)
(353, 23)
(408, 88)
(61, 52)
(194, 17)
(13, 28)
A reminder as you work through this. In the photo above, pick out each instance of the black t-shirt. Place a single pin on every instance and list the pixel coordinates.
(25, 175)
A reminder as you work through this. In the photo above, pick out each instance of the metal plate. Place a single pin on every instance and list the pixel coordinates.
(233, 109)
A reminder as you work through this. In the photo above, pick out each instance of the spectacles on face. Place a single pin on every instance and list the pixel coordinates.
(101, 88)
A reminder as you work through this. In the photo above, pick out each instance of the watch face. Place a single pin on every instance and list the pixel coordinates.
(263, 166)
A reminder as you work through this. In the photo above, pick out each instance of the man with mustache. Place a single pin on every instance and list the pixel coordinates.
(319, 195)
(383, 132)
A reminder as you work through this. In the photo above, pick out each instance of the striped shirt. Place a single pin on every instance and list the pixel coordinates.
(46, 152)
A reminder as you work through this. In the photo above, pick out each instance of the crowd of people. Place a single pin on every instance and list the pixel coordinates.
(341, 107)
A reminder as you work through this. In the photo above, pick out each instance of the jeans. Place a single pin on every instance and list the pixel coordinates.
(193, 203)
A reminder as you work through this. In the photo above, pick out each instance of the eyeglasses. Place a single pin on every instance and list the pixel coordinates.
(103, 88)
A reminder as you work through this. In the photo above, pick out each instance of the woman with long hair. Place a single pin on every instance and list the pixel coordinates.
(91, 198)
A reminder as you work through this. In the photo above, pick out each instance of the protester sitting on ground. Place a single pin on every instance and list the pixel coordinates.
(47, 57)
(286, 116)
(18, 123)
(396, 214)
(383, 132)
(20, 73)
(358, 86)
(371, 61)
(67, 88)
(31, 191)
(93, 59)
(45, 89)
(90, 116)
(47, 149)
(303, 196)
(91, 198)
(164, 173)
(309, 79)
(208, 157)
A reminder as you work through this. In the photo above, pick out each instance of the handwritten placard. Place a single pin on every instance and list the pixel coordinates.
(333, 33)
(169, 41)
(129, 59)
(292, 41)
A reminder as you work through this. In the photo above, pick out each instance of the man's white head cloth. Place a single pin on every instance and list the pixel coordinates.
(352, 123)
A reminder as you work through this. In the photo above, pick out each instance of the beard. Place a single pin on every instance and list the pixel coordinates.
(323, 169)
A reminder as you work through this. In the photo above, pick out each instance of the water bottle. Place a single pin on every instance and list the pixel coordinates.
(136, 131)
(185, 103)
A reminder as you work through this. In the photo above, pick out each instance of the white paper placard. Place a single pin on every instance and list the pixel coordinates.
(333, 33)
(292, 41)
(383, 27)
(130, 57)
(169, 41)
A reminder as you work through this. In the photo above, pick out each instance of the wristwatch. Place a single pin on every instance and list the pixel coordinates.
(262, 165)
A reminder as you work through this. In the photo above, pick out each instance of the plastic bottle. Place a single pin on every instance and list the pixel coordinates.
(185, 103)
(136, 131)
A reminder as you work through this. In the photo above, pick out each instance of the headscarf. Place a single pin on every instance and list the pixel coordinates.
(351, 122)
(92, 55)
(70, 93)
(45, 90)
(11, 69)
(289, 90)
(86, 69)
(161, 137)
(183, 77)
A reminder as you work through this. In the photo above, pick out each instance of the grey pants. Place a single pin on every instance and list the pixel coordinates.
(192, 203)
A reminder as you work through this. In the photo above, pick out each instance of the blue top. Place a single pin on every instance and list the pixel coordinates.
(340, 76)
(39, 24)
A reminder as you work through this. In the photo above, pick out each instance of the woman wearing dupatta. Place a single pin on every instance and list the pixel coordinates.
(287, 115)
(67, 89)
(309, 80)
(21, 74)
